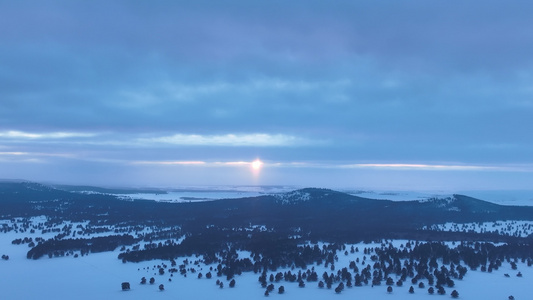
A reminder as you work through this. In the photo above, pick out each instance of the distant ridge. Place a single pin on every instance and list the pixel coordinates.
(13, 180)
(88, 188)
(321, 213)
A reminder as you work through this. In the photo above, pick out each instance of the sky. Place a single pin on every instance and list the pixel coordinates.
(357, 94)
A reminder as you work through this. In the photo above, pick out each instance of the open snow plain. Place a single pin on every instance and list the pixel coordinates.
(99, 276)
(207, 193)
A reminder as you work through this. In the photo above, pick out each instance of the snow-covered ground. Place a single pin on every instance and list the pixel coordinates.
(99, 276)
(509, 228)
(190, 196)
(398, 195)
(33, 228)
(222, 192)
(209, 193)
(502, 197)
(507, 197)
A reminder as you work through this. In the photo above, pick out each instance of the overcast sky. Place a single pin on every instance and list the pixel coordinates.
(359, 94)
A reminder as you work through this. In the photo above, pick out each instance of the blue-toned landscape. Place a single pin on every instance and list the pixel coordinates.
(281, 243)
(251, 149)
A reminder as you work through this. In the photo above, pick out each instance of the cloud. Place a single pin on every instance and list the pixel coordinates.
(400, 166)
(184, 82)
(36, 154)
(193, 163)
(407, 166)
(13, 134)
(227, 140)
(169, 163)
(13, 153)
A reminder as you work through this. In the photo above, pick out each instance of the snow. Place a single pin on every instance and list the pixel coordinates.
(208, 193)
(502, 197)
(293, 197)
(510, 228)
(398, 195)
(189, 196)
(99, 276)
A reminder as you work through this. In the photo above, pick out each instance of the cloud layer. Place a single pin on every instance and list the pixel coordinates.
(393, 85)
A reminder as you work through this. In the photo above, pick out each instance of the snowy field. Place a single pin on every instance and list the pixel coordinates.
(209, 193)
(508, 228)
(99, 276)
(215, 193)
(190, 196)
(398, 195)
(502, 197)
(509, 197)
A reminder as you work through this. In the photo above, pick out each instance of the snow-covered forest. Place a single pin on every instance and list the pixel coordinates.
(62, 252)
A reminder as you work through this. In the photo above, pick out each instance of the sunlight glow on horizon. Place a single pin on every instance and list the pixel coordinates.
(257, 164)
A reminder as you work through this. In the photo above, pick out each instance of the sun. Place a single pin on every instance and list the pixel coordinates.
(257, 164)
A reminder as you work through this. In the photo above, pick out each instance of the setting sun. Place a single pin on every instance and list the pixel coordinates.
(256, 164)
